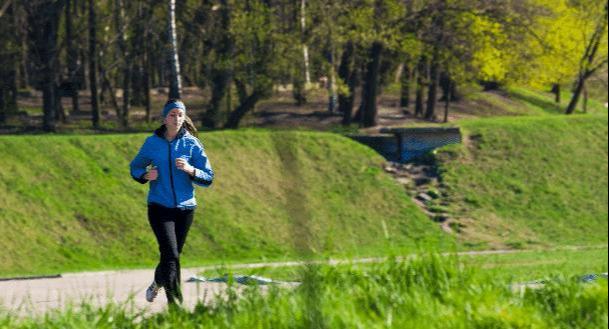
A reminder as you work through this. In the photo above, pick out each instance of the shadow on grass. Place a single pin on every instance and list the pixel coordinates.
(546, 105)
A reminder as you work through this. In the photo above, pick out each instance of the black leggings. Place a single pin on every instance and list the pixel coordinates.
(170, 226)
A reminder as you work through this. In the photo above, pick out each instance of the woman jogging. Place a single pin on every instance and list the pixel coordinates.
(172, 160)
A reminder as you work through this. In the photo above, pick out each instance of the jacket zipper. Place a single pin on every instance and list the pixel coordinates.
(173, 190)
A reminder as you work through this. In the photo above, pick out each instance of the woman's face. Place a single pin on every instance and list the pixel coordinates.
(174, 119)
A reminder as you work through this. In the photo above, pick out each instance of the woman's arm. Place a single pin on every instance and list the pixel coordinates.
(203, 173)
(139, 163)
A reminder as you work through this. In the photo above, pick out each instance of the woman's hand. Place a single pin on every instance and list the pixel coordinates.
(183, 165)
(152, 174)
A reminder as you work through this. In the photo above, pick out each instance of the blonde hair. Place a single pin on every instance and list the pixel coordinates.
(190, 126)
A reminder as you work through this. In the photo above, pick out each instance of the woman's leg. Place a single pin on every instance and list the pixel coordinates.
(163, 223)
(182, 226)
(183, 223)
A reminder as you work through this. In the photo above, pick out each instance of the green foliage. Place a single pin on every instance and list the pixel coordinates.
(258, 49)
(558, 38)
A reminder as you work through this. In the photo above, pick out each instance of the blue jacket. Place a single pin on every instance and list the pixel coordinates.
(173, 188)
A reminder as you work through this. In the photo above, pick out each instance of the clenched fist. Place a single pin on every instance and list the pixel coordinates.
(183, 165)
(152, 174)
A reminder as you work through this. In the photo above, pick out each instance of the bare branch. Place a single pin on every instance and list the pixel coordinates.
(5, 7)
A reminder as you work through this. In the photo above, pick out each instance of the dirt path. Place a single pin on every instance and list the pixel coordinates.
(37, 296)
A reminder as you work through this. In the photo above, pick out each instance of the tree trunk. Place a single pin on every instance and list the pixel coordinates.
(556, 92)
(348, 74)
(434, 72)
(405, 86)
(299, 92)
(332, 95)
(587, 67)
(147, 69)
(126, 96)
(72, 58)
(139, 52)
(246, 105)
(301, 80)
(108, 86)
(221, 76)
(305, 49)
(576, 94)
(175, 83)
(43, 19)
(219, 92)
(9, 61)
(3, 109)
(449, 88)
(420, 92)
(368, 106)
(8, 92)
(119, 16)
(447, 99)
(95, 115)
(432, 92)
(21, 41)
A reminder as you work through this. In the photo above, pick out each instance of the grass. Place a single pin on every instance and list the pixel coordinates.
(540, 102)
(516, 182)
(423, 292)
(528, 181)
(277, 195)
(522, 266)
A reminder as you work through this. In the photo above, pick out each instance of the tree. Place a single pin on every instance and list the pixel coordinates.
(220, 49)
(259, 58)
(9, 55)
(95, 113)
(591, 61)
(72, 57)
(175, 82)
(338, 28)
(387, 14)
(43, 23)
(125, 59)
(301, 80)
(437, 28)
(305, 48)
(348, 74)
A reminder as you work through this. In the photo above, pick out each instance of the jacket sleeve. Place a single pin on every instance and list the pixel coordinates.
(139, 163)
(204, 175)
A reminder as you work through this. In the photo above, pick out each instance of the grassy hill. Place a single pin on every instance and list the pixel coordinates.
(68, 202)
(529, 180)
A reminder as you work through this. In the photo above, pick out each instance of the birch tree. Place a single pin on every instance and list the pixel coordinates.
(175, 83)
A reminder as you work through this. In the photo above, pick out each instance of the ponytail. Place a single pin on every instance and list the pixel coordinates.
(190, 126)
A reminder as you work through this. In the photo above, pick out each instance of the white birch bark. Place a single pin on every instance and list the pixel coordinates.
(175, 87)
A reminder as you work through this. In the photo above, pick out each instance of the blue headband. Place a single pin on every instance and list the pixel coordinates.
(173, 105)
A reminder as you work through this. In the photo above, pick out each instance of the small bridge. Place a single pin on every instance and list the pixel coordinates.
(404, 144)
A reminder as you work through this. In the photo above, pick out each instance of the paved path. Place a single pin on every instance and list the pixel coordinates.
(37, 296)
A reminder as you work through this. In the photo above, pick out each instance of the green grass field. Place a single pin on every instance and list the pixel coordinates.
(526, 181)
(277, 195)
(515, 182)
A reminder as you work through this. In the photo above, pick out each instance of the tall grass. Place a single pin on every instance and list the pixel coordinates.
(424, 292)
